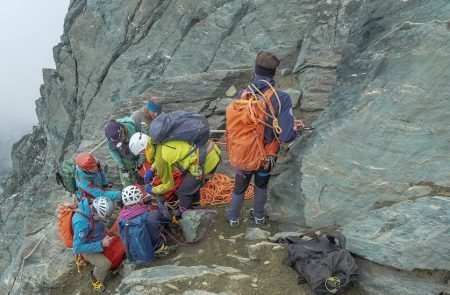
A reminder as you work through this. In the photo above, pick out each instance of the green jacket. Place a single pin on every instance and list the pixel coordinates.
(118, 154)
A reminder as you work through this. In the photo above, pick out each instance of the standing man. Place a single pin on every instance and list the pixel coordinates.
(265, 68)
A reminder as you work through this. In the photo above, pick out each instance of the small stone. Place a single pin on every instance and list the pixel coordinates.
(254, 285)
(277, 248)
(205, 284)
(266, 262)
(255, 280)
(172, 287)
(238, 277)
(200, 251)
(221, 237)
(237, 236)
(231, 91)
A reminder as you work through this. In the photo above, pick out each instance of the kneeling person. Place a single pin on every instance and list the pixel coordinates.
(180, 155)
(90, 239)
(140, 228)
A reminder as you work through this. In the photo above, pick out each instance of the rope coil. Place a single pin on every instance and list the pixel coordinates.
(218, 190)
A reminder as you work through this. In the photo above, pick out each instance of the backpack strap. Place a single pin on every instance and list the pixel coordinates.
(266, 97)
(91, 220)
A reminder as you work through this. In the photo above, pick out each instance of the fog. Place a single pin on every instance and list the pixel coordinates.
(28, 31)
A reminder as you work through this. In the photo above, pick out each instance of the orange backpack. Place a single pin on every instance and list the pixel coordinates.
(65, 214)
(245, 123)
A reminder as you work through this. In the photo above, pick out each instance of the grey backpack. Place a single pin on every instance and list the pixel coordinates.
(322, 262)
(180, 125)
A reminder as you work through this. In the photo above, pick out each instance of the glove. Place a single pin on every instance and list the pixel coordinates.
(148, 188)
(148, 175)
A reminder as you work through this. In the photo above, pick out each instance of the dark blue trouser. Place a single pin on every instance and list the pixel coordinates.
(242, 180)
(189, 190)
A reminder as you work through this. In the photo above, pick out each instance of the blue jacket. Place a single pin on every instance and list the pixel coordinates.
(92, 184)
(83, 240)
(123, 151)
(285, 118)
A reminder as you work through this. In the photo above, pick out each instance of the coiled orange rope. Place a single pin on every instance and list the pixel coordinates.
(218, 190)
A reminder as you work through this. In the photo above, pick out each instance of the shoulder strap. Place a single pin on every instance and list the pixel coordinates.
(266, 97)
(91, 220)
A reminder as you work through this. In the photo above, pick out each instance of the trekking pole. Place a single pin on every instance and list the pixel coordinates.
(99, 145)
(216, 131)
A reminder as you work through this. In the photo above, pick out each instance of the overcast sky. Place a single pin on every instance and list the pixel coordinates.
(28, 31)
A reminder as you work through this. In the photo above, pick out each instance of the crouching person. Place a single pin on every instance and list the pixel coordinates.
(90, 238)
(140, 228)
(91, 180)
(182, 156)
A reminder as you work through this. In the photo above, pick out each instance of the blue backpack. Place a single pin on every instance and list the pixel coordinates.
(180, 125)
(136, 238)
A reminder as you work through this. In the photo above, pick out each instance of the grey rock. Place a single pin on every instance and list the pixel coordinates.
(168, 273)
(255, 233)
(201, 292)
(257, 251)
(394, 235)
(418, 191)
(280, 236)
(295, 96)
(196, 223)
(243, 260)
(377, 280)
(376, 128)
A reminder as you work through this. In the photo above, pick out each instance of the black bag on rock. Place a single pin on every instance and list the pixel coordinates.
(322, 262)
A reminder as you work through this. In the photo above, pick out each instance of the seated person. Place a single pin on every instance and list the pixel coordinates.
(142, 242)
(90, 238)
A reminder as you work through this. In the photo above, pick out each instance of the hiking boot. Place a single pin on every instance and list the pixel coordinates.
(97, 285)
(258, 221)
(232, 223)
(163, 250)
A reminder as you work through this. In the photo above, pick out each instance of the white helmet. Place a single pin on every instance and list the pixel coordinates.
(104, 207)
(131, 195)
(138, 142)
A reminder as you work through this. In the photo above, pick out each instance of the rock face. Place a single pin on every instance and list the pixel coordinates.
(375, 71)
(381, 147)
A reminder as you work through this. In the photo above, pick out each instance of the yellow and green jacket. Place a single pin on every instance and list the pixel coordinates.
(172, 155)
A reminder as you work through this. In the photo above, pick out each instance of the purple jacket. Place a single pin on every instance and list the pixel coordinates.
(285, 119)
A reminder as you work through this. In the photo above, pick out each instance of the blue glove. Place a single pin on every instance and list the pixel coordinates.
(148, 188)
(148, 175)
